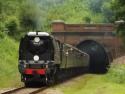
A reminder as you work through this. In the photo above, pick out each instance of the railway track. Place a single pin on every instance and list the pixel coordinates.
(24, 90)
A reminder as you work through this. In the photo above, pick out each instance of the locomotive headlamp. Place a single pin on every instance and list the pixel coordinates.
(37, 39)
(36, 58)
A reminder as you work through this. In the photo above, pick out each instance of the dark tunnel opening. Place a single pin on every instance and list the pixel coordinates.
(99, 60)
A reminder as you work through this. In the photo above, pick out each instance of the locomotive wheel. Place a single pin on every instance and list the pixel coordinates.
(52, 78)
(28, 84)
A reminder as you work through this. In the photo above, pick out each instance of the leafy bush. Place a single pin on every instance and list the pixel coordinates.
(2, 26)
(116, 73)
(12, 24)
(2, 35)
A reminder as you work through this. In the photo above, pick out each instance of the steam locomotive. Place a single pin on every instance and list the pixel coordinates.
(42, 58)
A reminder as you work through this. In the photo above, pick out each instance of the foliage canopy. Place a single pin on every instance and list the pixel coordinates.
(24, 15)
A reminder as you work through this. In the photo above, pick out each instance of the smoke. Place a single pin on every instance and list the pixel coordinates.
(37, 12)
(31, 15)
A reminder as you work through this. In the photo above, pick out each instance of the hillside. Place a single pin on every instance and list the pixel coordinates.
(25, 15)
(9, 76)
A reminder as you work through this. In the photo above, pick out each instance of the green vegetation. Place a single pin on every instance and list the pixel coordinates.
(92, 84)
(9, 76)
(118, 7)
(116, 73)
(20, 16)
(80, 11)
(111, 83)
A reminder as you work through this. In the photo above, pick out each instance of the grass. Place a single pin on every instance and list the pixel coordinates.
(9, 76)
(116, 73)
(111, 83)
(92, 84)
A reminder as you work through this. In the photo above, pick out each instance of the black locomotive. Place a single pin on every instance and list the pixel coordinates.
(42, 57)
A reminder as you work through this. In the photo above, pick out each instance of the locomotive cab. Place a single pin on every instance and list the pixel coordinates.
(38, 56)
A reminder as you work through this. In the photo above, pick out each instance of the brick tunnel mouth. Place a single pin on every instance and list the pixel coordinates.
(99, 61)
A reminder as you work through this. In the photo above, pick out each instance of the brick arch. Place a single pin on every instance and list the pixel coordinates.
(102, 33)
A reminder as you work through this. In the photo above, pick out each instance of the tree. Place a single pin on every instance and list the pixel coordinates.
(118, 7)
(20, 16)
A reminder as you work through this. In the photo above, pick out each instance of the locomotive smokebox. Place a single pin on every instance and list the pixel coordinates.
(99, 60)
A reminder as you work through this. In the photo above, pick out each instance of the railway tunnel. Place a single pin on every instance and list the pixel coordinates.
(98, 40)
(99, 61)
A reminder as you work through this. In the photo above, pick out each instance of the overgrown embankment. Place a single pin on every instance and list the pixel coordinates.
(112, 82)
(9, 76)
